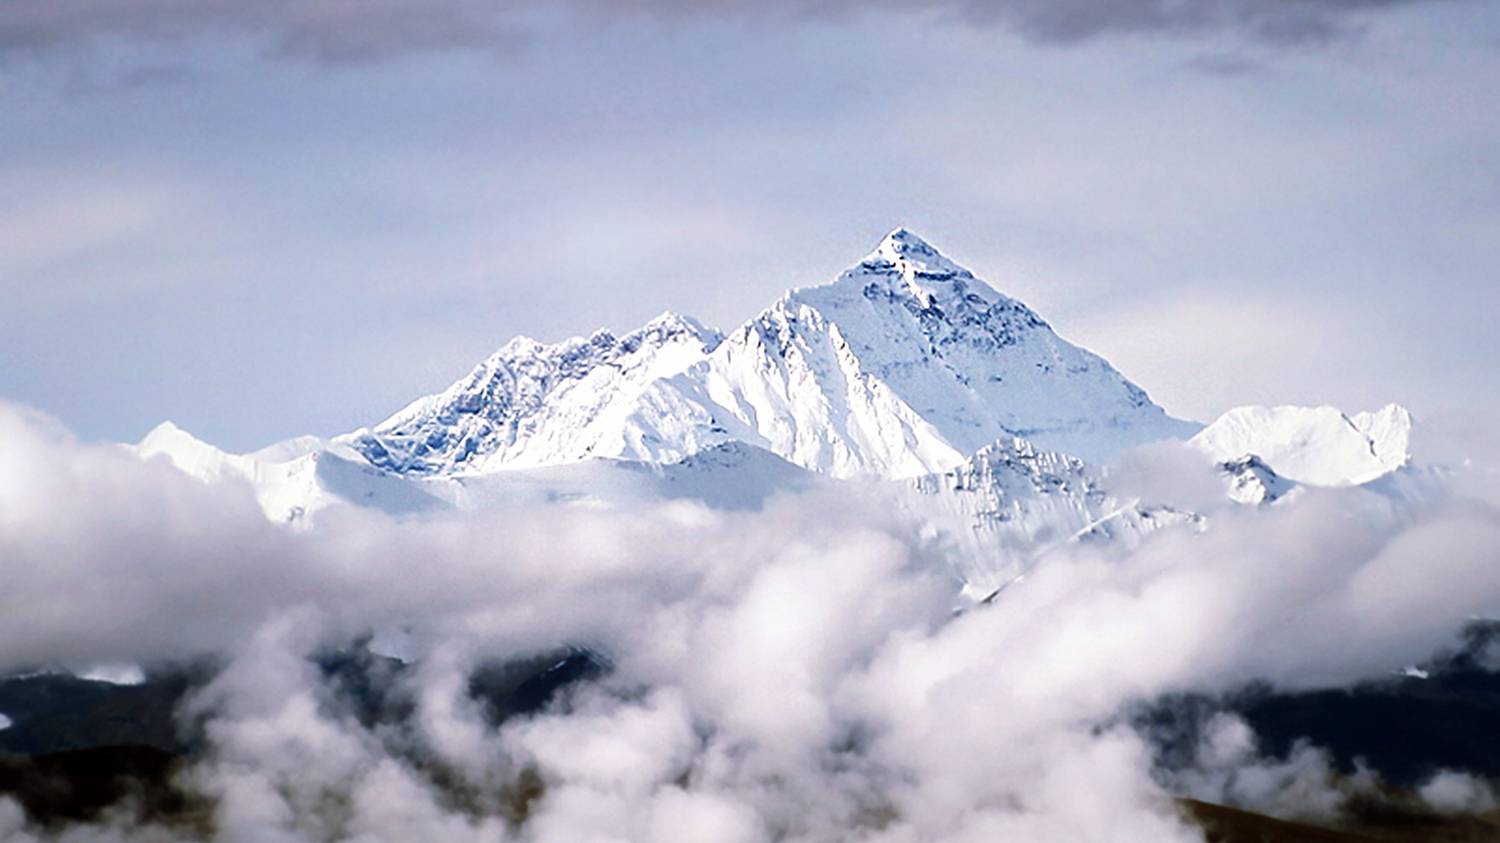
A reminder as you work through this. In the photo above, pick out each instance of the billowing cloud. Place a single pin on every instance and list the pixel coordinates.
(793, 674)
(343, 30)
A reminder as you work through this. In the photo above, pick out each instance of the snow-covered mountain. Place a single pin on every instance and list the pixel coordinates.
(907, 363)
(906, 375)
(904, 365)
(532, 404)
(1320, 446)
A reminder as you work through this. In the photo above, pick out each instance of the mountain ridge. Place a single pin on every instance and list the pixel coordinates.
(961, 405)
(904, 364)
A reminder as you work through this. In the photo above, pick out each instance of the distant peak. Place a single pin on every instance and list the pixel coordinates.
(521, 343)
(165, 433)
(1319, 446)
(670, 325)
(166, 428)
(183, 447)
(674, 320)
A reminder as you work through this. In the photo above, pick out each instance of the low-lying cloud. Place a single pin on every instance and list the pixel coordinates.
(793, 674)
(346, 30)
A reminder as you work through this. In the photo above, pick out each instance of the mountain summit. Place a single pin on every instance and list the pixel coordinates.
(912, 255)
(903, 365)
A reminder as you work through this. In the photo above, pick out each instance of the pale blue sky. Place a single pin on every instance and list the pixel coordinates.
(258, 227)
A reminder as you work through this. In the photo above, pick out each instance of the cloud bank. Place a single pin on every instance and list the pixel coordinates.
(346, 30)
(794, 674)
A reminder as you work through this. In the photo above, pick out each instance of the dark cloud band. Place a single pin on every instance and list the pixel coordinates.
(354, 30)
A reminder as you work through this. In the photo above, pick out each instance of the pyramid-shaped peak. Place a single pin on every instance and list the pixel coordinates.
(185, 450)
(908, 252)
(165, 435)
(903, 240)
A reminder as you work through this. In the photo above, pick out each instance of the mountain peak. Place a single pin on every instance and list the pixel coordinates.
(958, 365)
(1318, 446)
(166, 435)
(671, 318)
(902, 239)
(912, 255)
(900, 366)
(186, 451)
(671, 324)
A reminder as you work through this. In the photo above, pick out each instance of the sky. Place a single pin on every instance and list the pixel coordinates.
(293, 216)
(264, 220)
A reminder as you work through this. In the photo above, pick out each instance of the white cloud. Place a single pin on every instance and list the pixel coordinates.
(1458, 793)
(791, 674)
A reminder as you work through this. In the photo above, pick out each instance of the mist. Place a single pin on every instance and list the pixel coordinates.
(805, 672)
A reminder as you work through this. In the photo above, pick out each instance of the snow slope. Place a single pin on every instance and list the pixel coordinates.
(730, 476)
(907, 363)
(292, 480)
(532, 404)
(1319, 446)
(1011, 503)
(296, 480)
